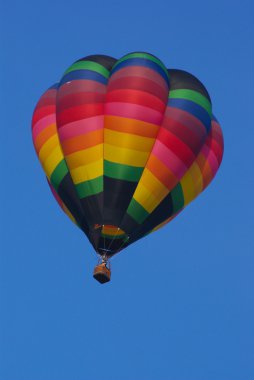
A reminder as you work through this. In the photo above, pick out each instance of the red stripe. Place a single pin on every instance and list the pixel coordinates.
(216, 127)
(215, 147)
(140, 84)
(217, 134)
(51, 93)
(78, 99)
(189, 137)
(79, 113)
(42, 112)
(187, 119)
(141, 72)
(181, 150)
(46, 101)
(136, 97)
(81, 85)
(49, 97)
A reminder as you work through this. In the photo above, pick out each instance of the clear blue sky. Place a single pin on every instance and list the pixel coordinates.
(194, 318)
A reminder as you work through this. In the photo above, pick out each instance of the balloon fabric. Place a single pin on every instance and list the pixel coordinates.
(125, 144)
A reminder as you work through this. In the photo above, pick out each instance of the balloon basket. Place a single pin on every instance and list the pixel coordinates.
(102, 273)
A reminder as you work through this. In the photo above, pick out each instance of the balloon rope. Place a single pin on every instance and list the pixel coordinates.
(104, 239)
(119, 249)
(114, 237)
(124, 241)
(122, 244)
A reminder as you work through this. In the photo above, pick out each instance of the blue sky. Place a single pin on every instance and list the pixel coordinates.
(193, 320)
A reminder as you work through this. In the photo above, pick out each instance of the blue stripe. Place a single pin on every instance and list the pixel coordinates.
(83, 74)
(192, 108)
(54, 86)
(141, 62)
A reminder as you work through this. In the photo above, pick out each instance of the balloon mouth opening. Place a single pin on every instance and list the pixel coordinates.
(108, 239)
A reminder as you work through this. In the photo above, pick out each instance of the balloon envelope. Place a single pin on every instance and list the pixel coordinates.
(125, 144)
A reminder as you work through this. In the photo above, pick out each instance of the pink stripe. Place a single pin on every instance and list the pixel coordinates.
(213, 162)
(216, 127)
(42, 124)
(81, 85)
(81, 127)
(217, 149)
(141, 72)
(49, 97)
(216, 134)
(133, 111)
(205, 150)
(187, 119)
(169, 159)
(211, 158)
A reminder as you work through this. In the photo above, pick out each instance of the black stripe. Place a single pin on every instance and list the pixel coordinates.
(68, 195)
(104, 60)
(93, 206)
(117, 197)
(180, 79)
(162, 212)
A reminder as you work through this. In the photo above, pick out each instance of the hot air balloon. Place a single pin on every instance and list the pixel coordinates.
(125, 145)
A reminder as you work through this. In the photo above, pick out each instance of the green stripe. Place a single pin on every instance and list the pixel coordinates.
(137, 212)
(88, 65)
(142, 55)
(92, 187)
(193, 96)
(58, 174)
(177, 198)
(120, 171)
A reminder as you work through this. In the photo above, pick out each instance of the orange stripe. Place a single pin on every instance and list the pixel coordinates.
(82, 142)
(110, 226)
(163, 223)
(161, 172)
(152, 184)
(207, 175)
(132, 126)
(112, 230)
(205, 169)
(136, 97)
(44, 136)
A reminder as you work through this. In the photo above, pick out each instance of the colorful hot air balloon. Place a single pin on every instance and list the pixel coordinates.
(125, 144)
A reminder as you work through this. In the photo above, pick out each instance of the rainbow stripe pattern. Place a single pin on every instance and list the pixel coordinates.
(125, 144)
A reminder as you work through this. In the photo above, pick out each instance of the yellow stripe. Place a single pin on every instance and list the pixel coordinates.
(67, 212)
(163, 223)
(52, 161)
(87, 172)
(150, 191)
(127, 140)
(84, 157)
(144, 197)
(153, 184)
(125, 156)
(48, 147)
(188, 188)
(197, 177)
(192, 183)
